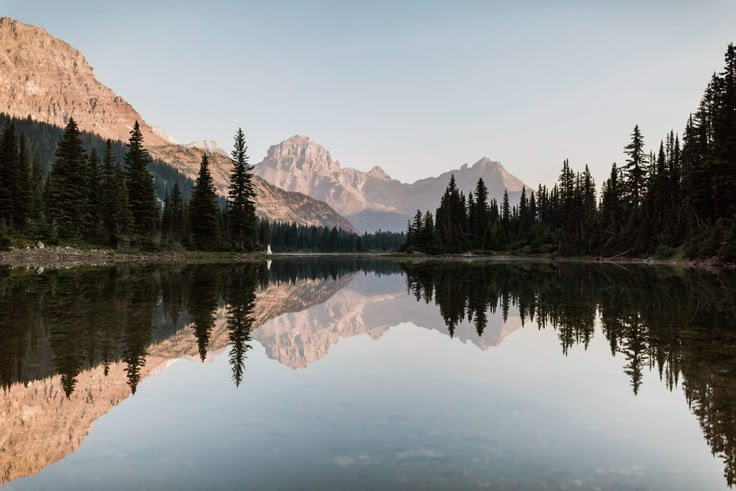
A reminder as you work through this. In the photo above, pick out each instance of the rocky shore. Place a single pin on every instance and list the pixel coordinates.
(41, 257)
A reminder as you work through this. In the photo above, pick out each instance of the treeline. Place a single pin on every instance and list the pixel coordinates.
(677, 200)
(42, 139)
(293, 237)
(97, 198)
(118, 195)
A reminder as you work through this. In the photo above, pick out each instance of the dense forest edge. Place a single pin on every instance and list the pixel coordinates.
(676, 203)
(71, 188)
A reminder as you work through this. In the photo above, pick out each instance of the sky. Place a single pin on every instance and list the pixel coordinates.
(417, 87)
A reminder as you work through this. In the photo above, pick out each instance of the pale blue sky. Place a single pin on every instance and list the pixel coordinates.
(416, 87)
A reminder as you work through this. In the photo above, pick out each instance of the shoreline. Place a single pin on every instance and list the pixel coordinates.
(65, 257)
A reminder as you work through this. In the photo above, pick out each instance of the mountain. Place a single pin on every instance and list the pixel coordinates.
(47, 80)
(209, 146)
(372, 200)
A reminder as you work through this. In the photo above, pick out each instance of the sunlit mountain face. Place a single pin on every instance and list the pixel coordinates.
(365, 374)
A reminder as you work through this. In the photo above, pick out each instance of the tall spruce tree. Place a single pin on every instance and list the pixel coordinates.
(66, 196)
(142, 201)
(241, 208)
(635, 169)
(203, 208)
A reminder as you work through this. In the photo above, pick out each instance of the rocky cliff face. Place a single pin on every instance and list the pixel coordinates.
(48, 80)
(371, 200)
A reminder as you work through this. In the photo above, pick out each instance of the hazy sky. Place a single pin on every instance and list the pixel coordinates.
(416, 87)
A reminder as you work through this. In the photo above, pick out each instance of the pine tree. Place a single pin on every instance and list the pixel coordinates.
(635, 169)
(241, 198)
(142, 201)
(611, 206)
(66, 198)
(505, 209)
(203, 208)
(479, 216)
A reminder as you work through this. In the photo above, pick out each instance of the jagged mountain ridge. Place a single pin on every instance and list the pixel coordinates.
(372, 200)
(48, 80)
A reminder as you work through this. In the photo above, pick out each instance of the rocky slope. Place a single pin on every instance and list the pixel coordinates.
(371, 200)
(48, 80)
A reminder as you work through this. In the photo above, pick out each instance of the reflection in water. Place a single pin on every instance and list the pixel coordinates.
(90, 333)
(679, 323)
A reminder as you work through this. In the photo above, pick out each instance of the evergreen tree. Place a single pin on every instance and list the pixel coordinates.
(203, 208)
(241, 199)
(66, 197)
(635, 169)
(505, 209)
(141, 195)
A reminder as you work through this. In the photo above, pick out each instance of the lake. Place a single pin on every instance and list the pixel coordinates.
(357, 373)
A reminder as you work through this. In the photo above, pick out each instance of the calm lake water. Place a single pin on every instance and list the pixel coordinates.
(368, 374)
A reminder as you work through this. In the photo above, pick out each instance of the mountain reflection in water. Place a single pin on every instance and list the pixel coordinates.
(75, 344)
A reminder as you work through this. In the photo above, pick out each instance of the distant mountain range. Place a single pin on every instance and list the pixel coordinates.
(48, 80)
(372, 200)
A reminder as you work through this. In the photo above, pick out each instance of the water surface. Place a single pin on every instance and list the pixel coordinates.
(368, 374)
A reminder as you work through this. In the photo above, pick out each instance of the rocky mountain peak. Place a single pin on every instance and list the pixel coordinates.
(301, 154)
(209, 146)
(486, 162)
(372, 200)
(378, 173)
